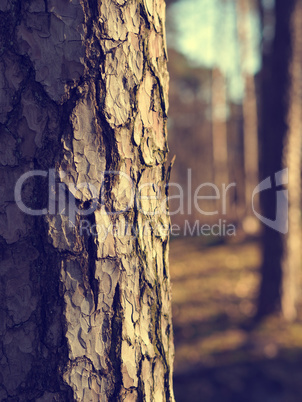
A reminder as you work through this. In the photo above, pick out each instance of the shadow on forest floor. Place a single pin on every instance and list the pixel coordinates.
(214, 291)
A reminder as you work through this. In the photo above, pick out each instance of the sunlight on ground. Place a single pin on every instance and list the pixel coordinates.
(210, 287)
(214, 291)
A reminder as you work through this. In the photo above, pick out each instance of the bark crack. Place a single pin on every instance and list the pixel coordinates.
(116, 346)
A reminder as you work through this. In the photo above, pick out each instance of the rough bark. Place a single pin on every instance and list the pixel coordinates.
(281, 146)
(84, 315)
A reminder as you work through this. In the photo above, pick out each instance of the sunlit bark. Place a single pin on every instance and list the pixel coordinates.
(84, 314)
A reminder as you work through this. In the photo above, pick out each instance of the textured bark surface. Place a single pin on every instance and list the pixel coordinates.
(83, 89)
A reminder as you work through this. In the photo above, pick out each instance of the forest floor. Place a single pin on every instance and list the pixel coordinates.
(216, 359)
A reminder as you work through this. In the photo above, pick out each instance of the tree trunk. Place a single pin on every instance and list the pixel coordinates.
(281, 149)
(292, 262)
(85, 292)
(249, 107)
(220, 133)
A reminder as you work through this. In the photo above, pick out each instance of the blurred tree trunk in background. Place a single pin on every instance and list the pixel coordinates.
(220, 132)
(249, 107)
(280, 134)
(85, 315)
(292, 159)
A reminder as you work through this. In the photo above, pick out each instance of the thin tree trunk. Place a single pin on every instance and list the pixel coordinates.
(85, 297)
(250, 118)
(219, 132)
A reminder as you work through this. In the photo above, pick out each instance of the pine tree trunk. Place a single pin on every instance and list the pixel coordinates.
(281, 149)
(249, 106)
(292, 262)
(220, 133)
(85, 296)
